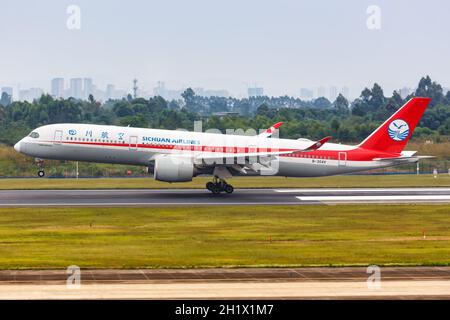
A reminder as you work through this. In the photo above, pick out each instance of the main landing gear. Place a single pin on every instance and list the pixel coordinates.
(219, 185)
(40, 163)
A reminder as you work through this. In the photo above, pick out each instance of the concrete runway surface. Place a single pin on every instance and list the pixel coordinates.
(249, 283)
(163, 197)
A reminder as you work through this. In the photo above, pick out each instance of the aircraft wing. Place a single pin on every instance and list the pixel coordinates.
(269, 131)
(219, 156)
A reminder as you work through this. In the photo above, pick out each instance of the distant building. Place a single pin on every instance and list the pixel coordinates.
(216, 93)
(99, 95)
(333, 93)
(255, 91)
(24, 95)
(306, 94)
(110, 92)
(88, 88)
(345, 91)
(199, 91)
(36, 93)
(160, 89)
(76, 88)
(321, 92)
(57, 90)
(173, 94)
(30, 94)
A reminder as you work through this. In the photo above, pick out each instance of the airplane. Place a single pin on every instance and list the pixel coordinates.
(178, 156)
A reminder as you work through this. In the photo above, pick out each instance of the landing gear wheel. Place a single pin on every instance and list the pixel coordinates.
(210, 186)
(216, 189)
(218, 185)
(228, 188)
(40, 164)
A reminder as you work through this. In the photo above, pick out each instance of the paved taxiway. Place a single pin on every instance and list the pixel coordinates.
(285, 283)
(154, 197)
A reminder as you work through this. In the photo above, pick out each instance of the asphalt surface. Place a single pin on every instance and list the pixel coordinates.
(348, 274)
(158, 197)
(251, 283)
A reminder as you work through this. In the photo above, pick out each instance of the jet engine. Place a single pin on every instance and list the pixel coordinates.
(172, 168)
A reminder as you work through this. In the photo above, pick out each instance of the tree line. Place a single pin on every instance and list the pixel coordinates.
(345, 121)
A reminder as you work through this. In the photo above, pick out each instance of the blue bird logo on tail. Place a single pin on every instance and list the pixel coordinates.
(398, 130)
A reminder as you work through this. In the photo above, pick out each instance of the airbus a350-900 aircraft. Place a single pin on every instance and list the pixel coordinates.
(177, 156)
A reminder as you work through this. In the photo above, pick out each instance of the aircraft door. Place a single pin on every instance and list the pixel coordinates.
(58, 137)
(342, 159)
(133, 143)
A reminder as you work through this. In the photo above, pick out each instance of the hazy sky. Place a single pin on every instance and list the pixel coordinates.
(282, 45)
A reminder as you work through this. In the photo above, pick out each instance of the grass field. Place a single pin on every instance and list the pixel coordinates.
(224, 237)
(443, 180)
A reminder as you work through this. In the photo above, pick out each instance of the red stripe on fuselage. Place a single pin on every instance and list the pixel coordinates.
(357, 154)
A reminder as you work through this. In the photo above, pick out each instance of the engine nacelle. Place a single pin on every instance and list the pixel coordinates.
(172, 168)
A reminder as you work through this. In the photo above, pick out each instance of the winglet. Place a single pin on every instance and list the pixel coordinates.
(271, 130)
(317, 144)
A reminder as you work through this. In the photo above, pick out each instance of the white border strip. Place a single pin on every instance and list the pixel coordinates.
(376, 198)
(363, 190)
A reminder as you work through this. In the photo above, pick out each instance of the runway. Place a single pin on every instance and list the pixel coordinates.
(181, 197)
(251, 283)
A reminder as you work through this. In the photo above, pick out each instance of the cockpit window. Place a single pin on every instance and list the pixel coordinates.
(34, 135)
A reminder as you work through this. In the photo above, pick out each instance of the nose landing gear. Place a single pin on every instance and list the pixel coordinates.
(219, 185)
(40, 163)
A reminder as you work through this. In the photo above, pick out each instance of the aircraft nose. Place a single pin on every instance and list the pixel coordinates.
(17, 146)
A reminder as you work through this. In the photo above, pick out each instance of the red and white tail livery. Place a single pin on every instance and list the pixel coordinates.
(395, 132)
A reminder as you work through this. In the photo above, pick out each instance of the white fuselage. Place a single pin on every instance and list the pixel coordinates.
(138, 146)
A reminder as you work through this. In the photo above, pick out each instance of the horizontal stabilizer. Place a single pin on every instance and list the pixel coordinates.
(404, 159)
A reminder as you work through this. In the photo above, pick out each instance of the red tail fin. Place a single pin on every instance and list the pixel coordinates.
(395, 132)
